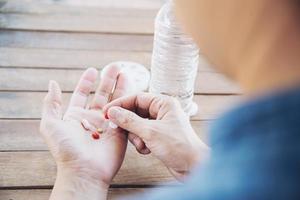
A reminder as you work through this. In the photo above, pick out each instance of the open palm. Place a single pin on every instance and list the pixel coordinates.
(71, 145)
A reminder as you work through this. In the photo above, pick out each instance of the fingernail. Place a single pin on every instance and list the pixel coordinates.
(114, 112)
(106, 116)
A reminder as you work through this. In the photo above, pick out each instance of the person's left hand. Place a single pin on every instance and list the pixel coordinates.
(77, 155)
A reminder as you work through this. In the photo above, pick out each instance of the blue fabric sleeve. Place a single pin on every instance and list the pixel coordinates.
(255, 155)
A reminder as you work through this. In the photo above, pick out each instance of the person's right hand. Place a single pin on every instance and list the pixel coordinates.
(156, 124)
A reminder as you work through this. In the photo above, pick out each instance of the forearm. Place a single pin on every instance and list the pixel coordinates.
(193, 154)
(198, 151)
(70, 186)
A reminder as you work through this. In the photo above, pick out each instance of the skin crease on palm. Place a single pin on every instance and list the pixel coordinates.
(72, 147)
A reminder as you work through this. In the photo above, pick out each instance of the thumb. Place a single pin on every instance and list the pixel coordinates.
(129, 121)
(52, 102)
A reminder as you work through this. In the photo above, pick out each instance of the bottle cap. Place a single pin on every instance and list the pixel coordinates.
(139, 75)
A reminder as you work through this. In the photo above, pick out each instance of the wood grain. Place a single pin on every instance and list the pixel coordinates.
(43, 194)
(35, 15)
(30, 5)
(36, 169)
(45, 58)
(23, 135)
(76, 41)
(37, 80)
(72, 59)
(126, 22)
(29, 105)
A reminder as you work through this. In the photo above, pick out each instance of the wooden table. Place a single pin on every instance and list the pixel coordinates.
(42, 40)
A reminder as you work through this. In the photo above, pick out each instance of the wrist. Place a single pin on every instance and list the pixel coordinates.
(199, 150)
(199, 154)
(72, 184)
(195, 153)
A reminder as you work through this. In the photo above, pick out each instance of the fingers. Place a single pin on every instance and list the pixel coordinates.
(130, 122)
(139, 144)
(83, 88)
(52, 102)
(145, 104)
(106, 85)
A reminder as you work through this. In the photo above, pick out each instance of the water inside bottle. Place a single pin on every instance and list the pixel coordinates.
(175, 60)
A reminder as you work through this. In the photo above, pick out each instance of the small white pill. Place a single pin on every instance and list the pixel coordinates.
(86, 125)
(112, 125)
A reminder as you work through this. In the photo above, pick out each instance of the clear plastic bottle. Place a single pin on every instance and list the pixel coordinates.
(175, 60)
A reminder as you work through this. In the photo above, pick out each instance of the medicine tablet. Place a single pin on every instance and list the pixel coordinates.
(86, 125)
(112, 125)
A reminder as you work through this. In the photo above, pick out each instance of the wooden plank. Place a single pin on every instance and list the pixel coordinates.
(55, 9)
(37, 80)
(72, 59)
(44, 194)
(32, 169)
(28, 105)
(45, 58)
(33, 6)
(76, 41)
(25, 194)
(136, 24)
(53, 16)
(23, 135)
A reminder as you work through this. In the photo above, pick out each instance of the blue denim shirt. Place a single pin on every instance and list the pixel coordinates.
(255, 154)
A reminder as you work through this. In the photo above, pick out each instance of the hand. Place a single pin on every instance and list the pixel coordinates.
(157, 124)
(90, 163)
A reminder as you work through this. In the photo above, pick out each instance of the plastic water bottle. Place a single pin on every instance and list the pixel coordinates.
(175, 60)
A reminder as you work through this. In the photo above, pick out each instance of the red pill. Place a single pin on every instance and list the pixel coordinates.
(96, 136)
